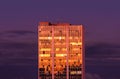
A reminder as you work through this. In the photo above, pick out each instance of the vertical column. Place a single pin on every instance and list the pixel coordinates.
(38, 52)
(83, 53)
(67, 46)
(52, 53)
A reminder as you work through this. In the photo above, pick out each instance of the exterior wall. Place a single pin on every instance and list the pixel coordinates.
(60, 51)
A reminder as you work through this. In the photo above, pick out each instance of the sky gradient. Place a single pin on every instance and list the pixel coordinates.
(18, 34)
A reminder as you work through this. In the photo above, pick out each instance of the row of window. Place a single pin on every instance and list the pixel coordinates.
(59, 37)
(59, 55)
(60, 49)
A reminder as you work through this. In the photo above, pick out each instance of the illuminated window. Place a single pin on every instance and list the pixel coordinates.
(61, 55)
(44, 55)
(73, 72)
(42, 37)
(45, 38)
(64, 49)
(45, 49)
(49, 37)
(59, 37)
(57, 49)
(78, 72)
(75, 43)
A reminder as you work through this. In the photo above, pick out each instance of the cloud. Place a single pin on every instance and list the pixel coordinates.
(93, 76)
(102, 49)
(15, 53)
(103, 59)
(19, 32)
(18, 50)
(103, 53)
(17, 36)
(18, 72)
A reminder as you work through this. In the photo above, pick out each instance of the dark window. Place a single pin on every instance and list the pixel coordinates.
(43, 52)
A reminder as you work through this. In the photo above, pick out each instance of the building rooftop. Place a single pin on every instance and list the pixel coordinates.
(52, 24)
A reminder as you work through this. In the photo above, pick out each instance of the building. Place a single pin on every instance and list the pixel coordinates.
(60, 51)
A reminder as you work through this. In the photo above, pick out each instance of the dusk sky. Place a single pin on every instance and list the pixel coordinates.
(18, 34)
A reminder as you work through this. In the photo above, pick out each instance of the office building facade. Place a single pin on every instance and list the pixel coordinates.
(60, 51)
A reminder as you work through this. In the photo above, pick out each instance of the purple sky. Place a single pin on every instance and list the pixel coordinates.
(18, 34)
